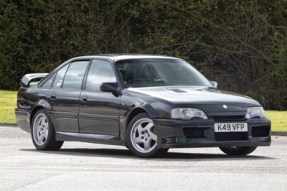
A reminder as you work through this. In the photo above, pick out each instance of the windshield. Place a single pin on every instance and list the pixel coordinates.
(160, 72)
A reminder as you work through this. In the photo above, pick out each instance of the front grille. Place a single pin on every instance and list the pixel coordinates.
(194, 132)
(260, 131)
(231, 136)
(227, 118)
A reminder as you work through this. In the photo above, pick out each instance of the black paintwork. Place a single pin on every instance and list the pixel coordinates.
(103, 117)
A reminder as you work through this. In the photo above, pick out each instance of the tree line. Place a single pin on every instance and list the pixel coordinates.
(240, 44)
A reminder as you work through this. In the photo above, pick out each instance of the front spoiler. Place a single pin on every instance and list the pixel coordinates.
(179, 142)
(170, 134)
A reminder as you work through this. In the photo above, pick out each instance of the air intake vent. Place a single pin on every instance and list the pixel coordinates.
(260, 131)
(194, 132)
(228, 118)
(231, 136)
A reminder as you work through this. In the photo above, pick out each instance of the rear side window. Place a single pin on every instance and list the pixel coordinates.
(75, 75)
(100, 71)
(60, 76)
(48, 83)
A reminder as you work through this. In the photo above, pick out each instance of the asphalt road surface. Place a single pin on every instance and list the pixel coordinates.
(84, 166)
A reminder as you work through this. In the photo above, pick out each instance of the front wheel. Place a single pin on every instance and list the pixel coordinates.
(43, 133)
(141, 137)
(237, 150)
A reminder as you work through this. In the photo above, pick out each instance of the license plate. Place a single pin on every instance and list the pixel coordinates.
(230, 127)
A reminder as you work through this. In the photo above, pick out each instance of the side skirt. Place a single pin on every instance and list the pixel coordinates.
(91, 138)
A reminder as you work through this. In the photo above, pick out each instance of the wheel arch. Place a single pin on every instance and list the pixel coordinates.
(145, 109)
(130, 115)
(41, 104)
(134, 113)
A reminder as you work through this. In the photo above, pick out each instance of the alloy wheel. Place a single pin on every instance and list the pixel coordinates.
(143, 138)
(40, 129)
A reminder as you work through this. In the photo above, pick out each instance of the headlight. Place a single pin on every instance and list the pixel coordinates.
(254, 112)
(187, 113)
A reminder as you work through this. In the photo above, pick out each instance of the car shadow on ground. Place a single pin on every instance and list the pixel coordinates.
(125, 153)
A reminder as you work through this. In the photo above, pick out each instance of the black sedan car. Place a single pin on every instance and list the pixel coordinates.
(146, 103)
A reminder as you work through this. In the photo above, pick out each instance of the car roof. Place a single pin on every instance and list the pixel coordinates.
(116, 57)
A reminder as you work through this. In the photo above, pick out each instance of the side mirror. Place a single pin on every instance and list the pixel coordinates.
(110, 87)
(214, 84)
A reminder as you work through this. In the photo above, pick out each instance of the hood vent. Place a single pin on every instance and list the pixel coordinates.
(178, 90)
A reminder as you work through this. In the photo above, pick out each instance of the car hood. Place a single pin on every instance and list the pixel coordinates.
(195, 95)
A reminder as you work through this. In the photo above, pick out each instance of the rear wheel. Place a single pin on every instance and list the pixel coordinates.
(43, 133)
(141, 137)
(237, 150)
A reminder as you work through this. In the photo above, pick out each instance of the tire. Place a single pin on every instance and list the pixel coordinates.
(141, 137)
(237, 151)
(162, 152)
(43, 132)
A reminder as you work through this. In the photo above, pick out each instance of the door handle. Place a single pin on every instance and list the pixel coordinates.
(84, 99)
(53, 96)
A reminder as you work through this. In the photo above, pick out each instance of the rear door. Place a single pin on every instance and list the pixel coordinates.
(65, 96)
(99, 111)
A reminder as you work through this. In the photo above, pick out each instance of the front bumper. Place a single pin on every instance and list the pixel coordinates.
(200, 133)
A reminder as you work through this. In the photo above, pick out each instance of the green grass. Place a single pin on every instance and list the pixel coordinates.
(278, 120)
(8, 104)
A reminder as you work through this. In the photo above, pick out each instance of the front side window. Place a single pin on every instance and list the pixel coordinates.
(75, 75)
(100, 71)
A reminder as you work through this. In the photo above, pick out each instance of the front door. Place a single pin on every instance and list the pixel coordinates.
(99, 111)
